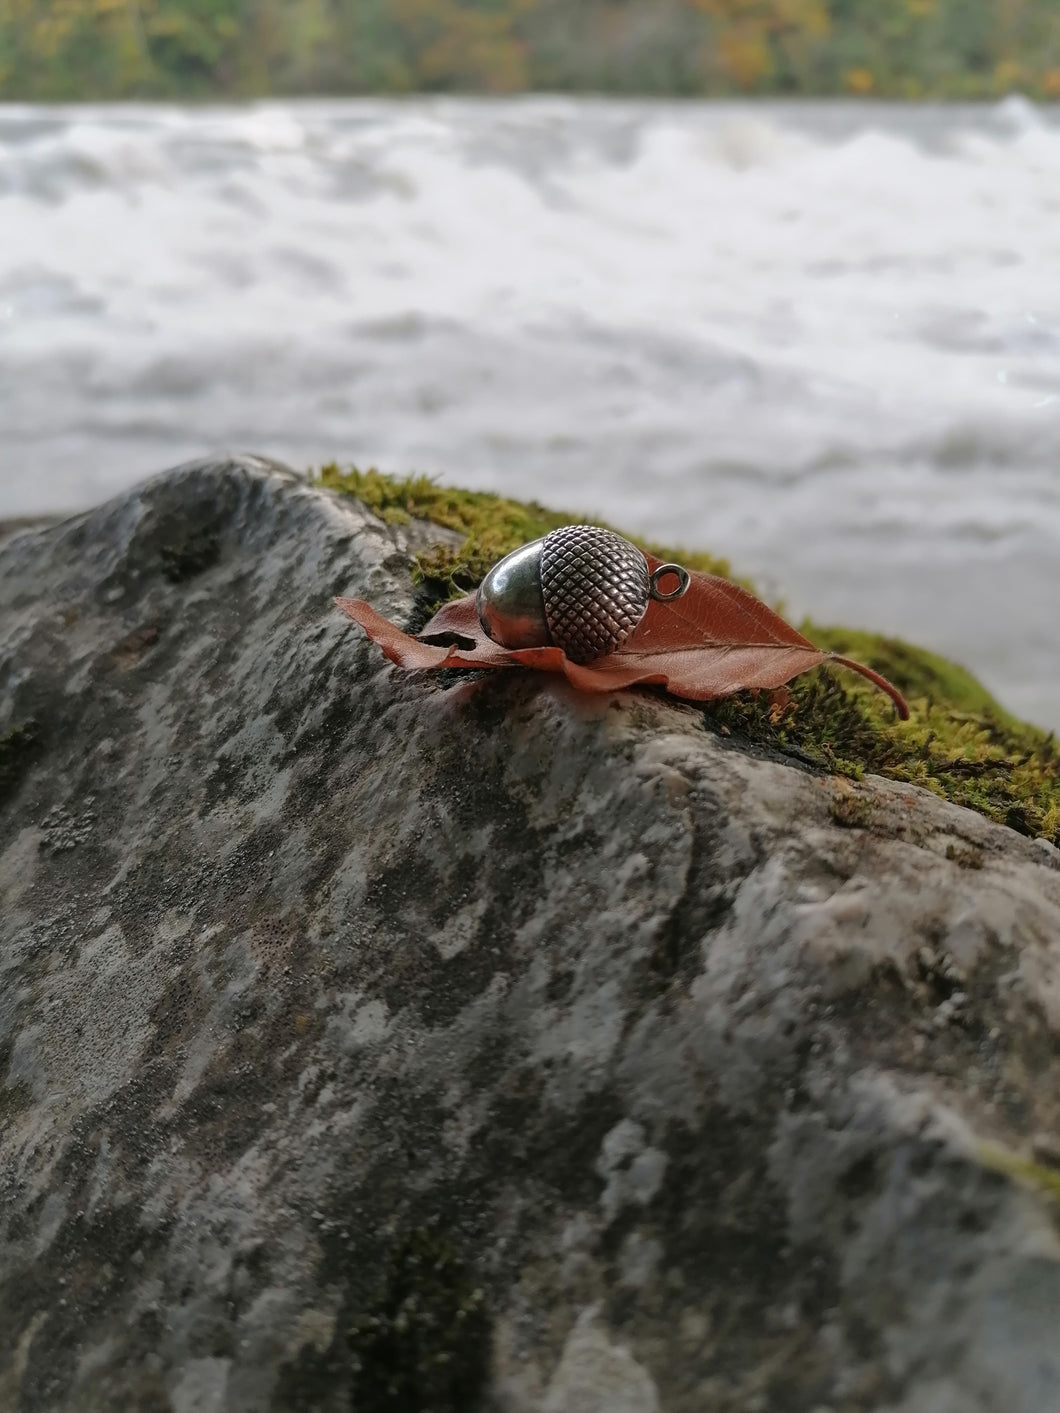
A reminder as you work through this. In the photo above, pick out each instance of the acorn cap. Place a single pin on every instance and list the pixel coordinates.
(595, 588)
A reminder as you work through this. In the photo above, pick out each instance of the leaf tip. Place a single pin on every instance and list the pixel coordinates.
(349, 607)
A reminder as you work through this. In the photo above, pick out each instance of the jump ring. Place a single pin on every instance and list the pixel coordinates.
(683, 581)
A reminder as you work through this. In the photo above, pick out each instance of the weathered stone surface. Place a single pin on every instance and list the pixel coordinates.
(379, 1042)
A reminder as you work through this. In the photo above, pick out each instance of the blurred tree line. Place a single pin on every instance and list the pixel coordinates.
(86, 49)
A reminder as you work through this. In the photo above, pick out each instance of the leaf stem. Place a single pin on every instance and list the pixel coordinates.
(874, 677)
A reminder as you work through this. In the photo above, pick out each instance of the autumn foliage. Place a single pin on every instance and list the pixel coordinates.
(60, 49)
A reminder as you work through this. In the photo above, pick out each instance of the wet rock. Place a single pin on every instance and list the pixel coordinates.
(380, 1042)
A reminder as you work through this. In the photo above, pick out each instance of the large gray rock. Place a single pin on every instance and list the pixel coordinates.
(379, 1042)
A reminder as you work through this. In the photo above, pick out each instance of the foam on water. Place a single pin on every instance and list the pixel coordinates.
(823, 339)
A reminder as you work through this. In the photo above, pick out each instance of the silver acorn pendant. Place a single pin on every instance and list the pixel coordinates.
(581, 588)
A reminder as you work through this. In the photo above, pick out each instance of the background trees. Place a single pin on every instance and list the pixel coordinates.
(64, 49)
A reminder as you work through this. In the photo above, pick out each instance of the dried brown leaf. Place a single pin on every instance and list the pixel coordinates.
(715, 640)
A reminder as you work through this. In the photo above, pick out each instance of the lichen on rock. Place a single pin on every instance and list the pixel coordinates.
(370, 1041)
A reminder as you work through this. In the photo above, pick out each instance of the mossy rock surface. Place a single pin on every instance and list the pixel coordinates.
(959, 742)
(376, 1042)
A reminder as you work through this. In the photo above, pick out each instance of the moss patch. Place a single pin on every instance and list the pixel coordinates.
(958, 742)
(492, 525)
(14, 1099)
(198, 551)
(19, 747)
(425, 1341)
(1045, 1181)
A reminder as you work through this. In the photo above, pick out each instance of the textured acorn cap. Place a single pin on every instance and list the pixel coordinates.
(595, 588)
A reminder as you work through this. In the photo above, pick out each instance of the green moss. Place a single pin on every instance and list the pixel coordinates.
(425, 1341)
(491, 525)
(851, 811)
(958, 742)
(1042, 1179)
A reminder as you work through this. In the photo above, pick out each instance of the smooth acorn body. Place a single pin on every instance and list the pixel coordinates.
(511, 606)
(580, 588)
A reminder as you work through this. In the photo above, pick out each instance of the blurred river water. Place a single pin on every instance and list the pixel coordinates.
(820, 339)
